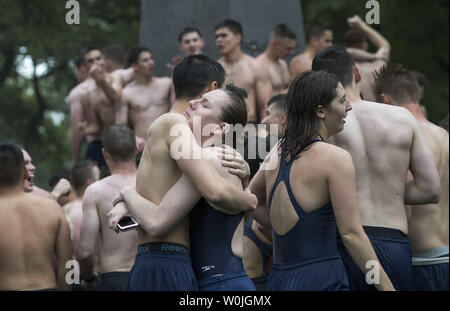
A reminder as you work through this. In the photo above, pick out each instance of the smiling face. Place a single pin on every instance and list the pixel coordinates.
(29, 169)
(191, 44)
(226, 40)
(336, 112)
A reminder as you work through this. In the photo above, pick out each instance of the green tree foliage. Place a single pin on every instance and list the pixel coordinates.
(33, 110)
(417, 31)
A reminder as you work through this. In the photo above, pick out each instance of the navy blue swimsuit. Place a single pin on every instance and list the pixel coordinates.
(306, 258)
(211, 233)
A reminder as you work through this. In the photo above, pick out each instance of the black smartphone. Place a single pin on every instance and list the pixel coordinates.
(127, 223)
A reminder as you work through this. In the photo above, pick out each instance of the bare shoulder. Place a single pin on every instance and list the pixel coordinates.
(166, 123)
(44, 205)
(212, 154)
(166, 81)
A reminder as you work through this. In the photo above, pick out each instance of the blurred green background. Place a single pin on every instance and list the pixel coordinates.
(37, 49)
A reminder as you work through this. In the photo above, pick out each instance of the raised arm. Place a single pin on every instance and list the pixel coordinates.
(191, 160)
(384, 48)
(90, 228)
(425, 187)
(111, 84)
(342, 187)
(63, 249)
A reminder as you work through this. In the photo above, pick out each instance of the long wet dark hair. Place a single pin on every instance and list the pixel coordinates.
(307, 91)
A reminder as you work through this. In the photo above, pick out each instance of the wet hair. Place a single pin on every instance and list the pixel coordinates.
(335, 60)
(236, 112)
(306, 92)
(188, 30)
(397, 82)
(12, 164)
(316, 30)
(133, 56)
(354, 38)
(120, 143)
(87, 50)
(234, 26)
(282, 31)
(115, 53)
(194, 73)
(279, 102)
(80, 173)
(64, 173)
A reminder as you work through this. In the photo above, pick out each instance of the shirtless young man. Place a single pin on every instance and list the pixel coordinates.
(117, 252)
(384, 141)
(164, 263)
(190, 42)
(281, 46)
(318, 37)
(92, 108)
(428, 224)
(215, 234)
(144, 99)
(83, 174)
(114, 56)
(367, 63)
(58, 191)
(33, 231)
(243, 70)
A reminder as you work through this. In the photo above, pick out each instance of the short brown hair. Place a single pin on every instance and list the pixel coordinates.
(354, 39)
(236, 112)
(397, 82)
(120, 143)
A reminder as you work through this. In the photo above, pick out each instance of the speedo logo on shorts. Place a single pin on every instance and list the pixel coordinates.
(207, 268)
(174, 248)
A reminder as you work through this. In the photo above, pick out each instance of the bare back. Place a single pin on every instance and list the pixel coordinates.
(157, 173)
(73, 212)
(428, 226)
(146, 102)
(32, 232)
(379, 138)
(117, 251)
(278, 72)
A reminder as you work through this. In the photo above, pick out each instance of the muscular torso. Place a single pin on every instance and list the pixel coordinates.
(278, 72)
(156, 174)
(28, 230)
(117, 251)
(379, 139)
(102, 109)
(366, 70)
(428, 226)
(146, 103)
(242, 74)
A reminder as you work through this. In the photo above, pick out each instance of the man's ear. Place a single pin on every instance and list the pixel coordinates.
(386, 99)
(202, 43)
(222, 129)
(283, 118)
(210, 87)
(320, 112)
(356, 74)
(106, 154)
